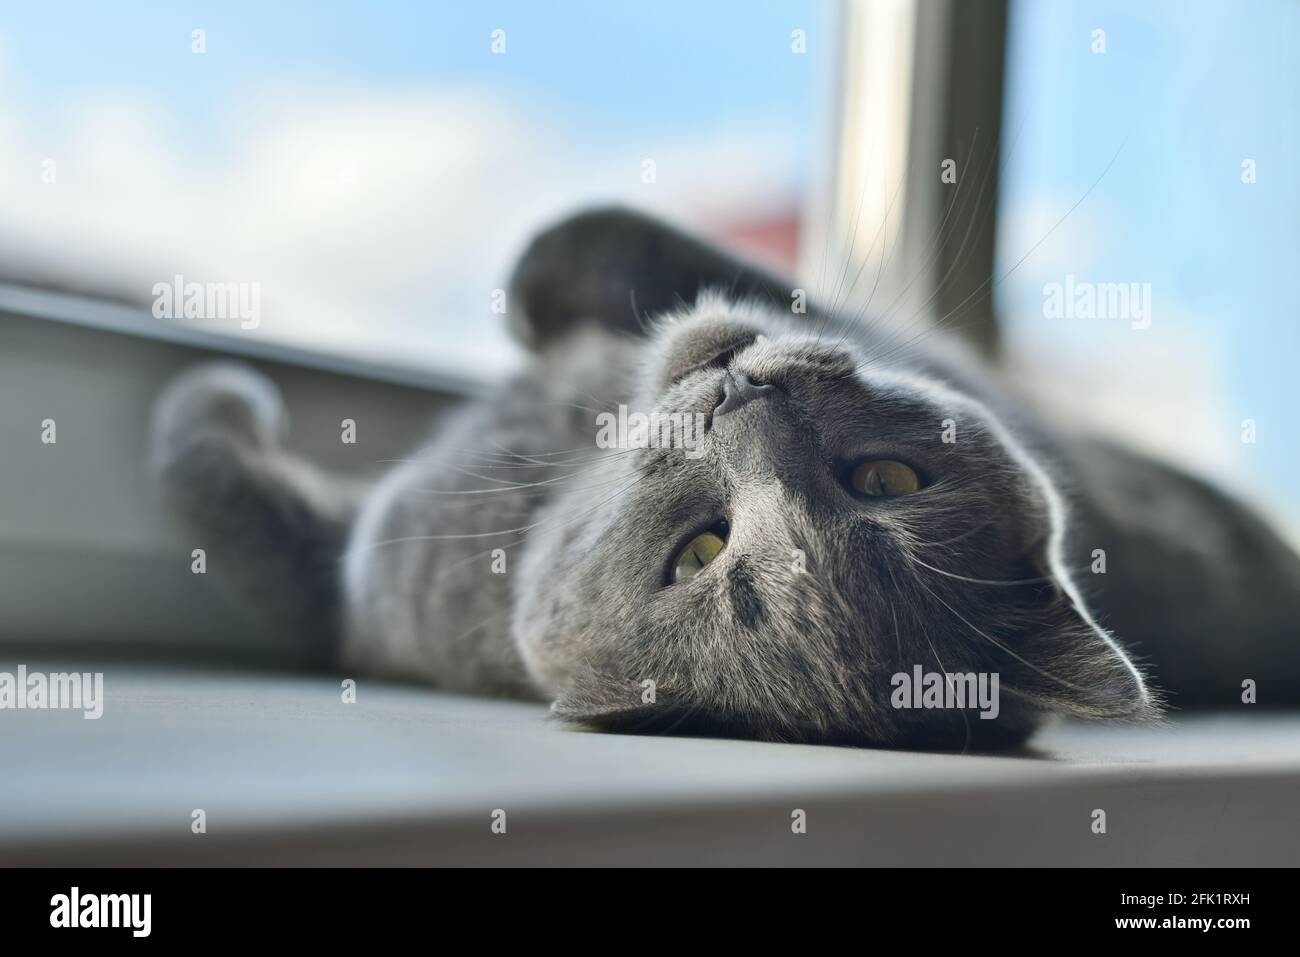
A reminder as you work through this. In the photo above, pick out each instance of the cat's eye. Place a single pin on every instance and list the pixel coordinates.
(885, 478)
(697, 553)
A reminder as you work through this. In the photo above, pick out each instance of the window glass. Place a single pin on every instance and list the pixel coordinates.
(372, 168)
(1164, 307)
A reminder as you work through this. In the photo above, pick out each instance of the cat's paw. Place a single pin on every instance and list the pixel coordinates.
(618, 268)
(574, 270)
(222, 397)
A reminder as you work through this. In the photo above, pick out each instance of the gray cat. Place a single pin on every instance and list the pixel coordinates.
(856, 507)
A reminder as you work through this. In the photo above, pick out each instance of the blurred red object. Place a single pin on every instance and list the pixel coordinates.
(773, 240)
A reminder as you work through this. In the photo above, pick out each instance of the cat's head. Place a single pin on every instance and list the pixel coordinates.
(836, 523)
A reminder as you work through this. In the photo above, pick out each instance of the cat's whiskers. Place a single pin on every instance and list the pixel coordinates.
(978, 581)
(523, 489)
(521, 493)
(882, 267)
(1002, 646)
(937, 243)
(523, 537)
(986, 288)
(522, 530)
(520, 459)
(949, 681)
(853, 233)
(933, 246)
(573, 405)
(600, 456)
(894, 330)
(509, 487)
(961, 536)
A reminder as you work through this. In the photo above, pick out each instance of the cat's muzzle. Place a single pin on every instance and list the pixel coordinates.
(738, 389)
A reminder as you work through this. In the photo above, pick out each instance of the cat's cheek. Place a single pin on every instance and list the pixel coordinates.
(537, 643)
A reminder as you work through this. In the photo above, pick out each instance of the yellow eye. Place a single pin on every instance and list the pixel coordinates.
(699, 551)
(885, 478)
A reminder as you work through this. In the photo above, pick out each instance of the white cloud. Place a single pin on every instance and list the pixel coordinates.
(377, 222)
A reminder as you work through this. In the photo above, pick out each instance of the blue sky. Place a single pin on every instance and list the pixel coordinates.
(373, 165)
(617, 68)
(1188, 90)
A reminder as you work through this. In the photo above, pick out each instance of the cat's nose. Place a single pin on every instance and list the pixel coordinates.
(737, 389)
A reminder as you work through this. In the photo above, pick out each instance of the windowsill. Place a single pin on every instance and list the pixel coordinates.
(289, 774)
(88, 554)
(26, 302)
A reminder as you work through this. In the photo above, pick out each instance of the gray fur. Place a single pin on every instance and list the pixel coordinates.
(217, 431)
(984, 570)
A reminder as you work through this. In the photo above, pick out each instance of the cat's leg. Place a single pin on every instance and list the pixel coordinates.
(617, 267)
(272, 526)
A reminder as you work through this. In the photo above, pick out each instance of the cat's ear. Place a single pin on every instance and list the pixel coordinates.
(612, 704)
(618, 268)
(1069, 664)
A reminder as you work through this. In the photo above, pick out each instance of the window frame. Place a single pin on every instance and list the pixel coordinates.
(920, 81)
